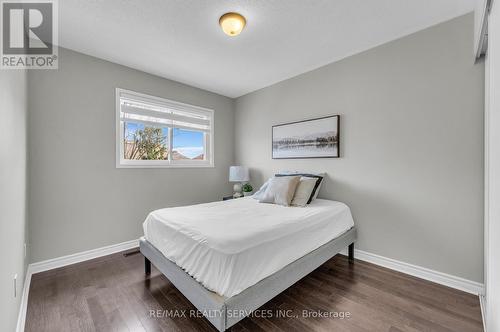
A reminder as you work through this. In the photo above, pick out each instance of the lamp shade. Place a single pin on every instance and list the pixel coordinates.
(238, 174)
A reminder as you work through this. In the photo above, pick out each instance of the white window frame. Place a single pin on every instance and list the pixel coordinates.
(127, 163)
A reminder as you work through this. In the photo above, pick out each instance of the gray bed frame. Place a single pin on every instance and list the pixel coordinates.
(224, 312)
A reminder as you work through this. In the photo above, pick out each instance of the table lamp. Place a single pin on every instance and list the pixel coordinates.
(238, 174)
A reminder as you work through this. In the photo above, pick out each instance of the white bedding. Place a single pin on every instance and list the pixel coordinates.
(229, 246)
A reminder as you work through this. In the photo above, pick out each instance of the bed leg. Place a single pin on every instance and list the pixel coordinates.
(351, 253)
(147, 266)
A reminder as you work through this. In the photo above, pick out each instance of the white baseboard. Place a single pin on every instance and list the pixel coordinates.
(449, 280)
(82, 256)
(60, 262)
(482, 303)
(21, 318)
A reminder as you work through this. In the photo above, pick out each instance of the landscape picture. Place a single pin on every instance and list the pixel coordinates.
(316, 138)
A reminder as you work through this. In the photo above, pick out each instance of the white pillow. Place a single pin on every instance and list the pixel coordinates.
(304, 191)
(304, 173)
(320, 183)
(260, 193)
(280, 190)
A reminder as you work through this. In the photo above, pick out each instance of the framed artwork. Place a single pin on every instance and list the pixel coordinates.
(315, 138)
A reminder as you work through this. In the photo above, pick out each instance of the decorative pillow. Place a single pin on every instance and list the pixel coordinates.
(260, 193)
(319, 185)
(281, 190)
(304, 191)
(318, 177)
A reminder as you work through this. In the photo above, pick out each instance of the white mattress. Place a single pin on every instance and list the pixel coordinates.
(231, 245)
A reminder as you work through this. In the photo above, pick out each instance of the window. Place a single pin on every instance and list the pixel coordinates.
(156, 132)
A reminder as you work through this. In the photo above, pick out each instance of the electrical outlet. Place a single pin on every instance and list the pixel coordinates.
(15, 285)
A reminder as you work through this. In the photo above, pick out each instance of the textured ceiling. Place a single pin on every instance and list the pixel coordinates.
(181, 39)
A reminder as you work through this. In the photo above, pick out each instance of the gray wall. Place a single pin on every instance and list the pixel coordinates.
(411, 140)
(13, 110)
(78, 199)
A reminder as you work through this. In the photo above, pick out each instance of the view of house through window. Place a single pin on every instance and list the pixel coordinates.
(159, 132)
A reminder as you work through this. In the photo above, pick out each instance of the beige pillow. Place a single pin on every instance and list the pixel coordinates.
(280, 190)
(303, 191)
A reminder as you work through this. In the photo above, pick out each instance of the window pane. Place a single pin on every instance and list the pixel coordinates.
(188, 144)
(143, 142)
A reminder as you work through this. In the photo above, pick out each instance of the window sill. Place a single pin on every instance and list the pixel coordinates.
(165, 166)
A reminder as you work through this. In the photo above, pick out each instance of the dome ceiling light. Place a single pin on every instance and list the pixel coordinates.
(232, 23)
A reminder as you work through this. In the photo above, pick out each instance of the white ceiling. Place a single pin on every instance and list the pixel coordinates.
(181, 39)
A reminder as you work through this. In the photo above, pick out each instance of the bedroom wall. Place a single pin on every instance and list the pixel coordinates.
(411, 139)
(79, 200)
(13, 225)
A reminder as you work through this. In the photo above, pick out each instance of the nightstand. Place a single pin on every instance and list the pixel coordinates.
(227, 198)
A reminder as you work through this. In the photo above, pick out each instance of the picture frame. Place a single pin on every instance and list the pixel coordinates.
(311, 138)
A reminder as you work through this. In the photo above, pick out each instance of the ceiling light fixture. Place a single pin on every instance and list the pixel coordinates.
(232, 23)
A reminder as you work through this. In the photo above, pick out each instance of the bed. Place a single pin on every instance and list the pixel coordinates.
(218, 254)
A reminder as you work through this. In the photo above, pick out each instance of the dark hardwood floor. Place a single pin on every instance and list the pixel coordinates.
(113, 294)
